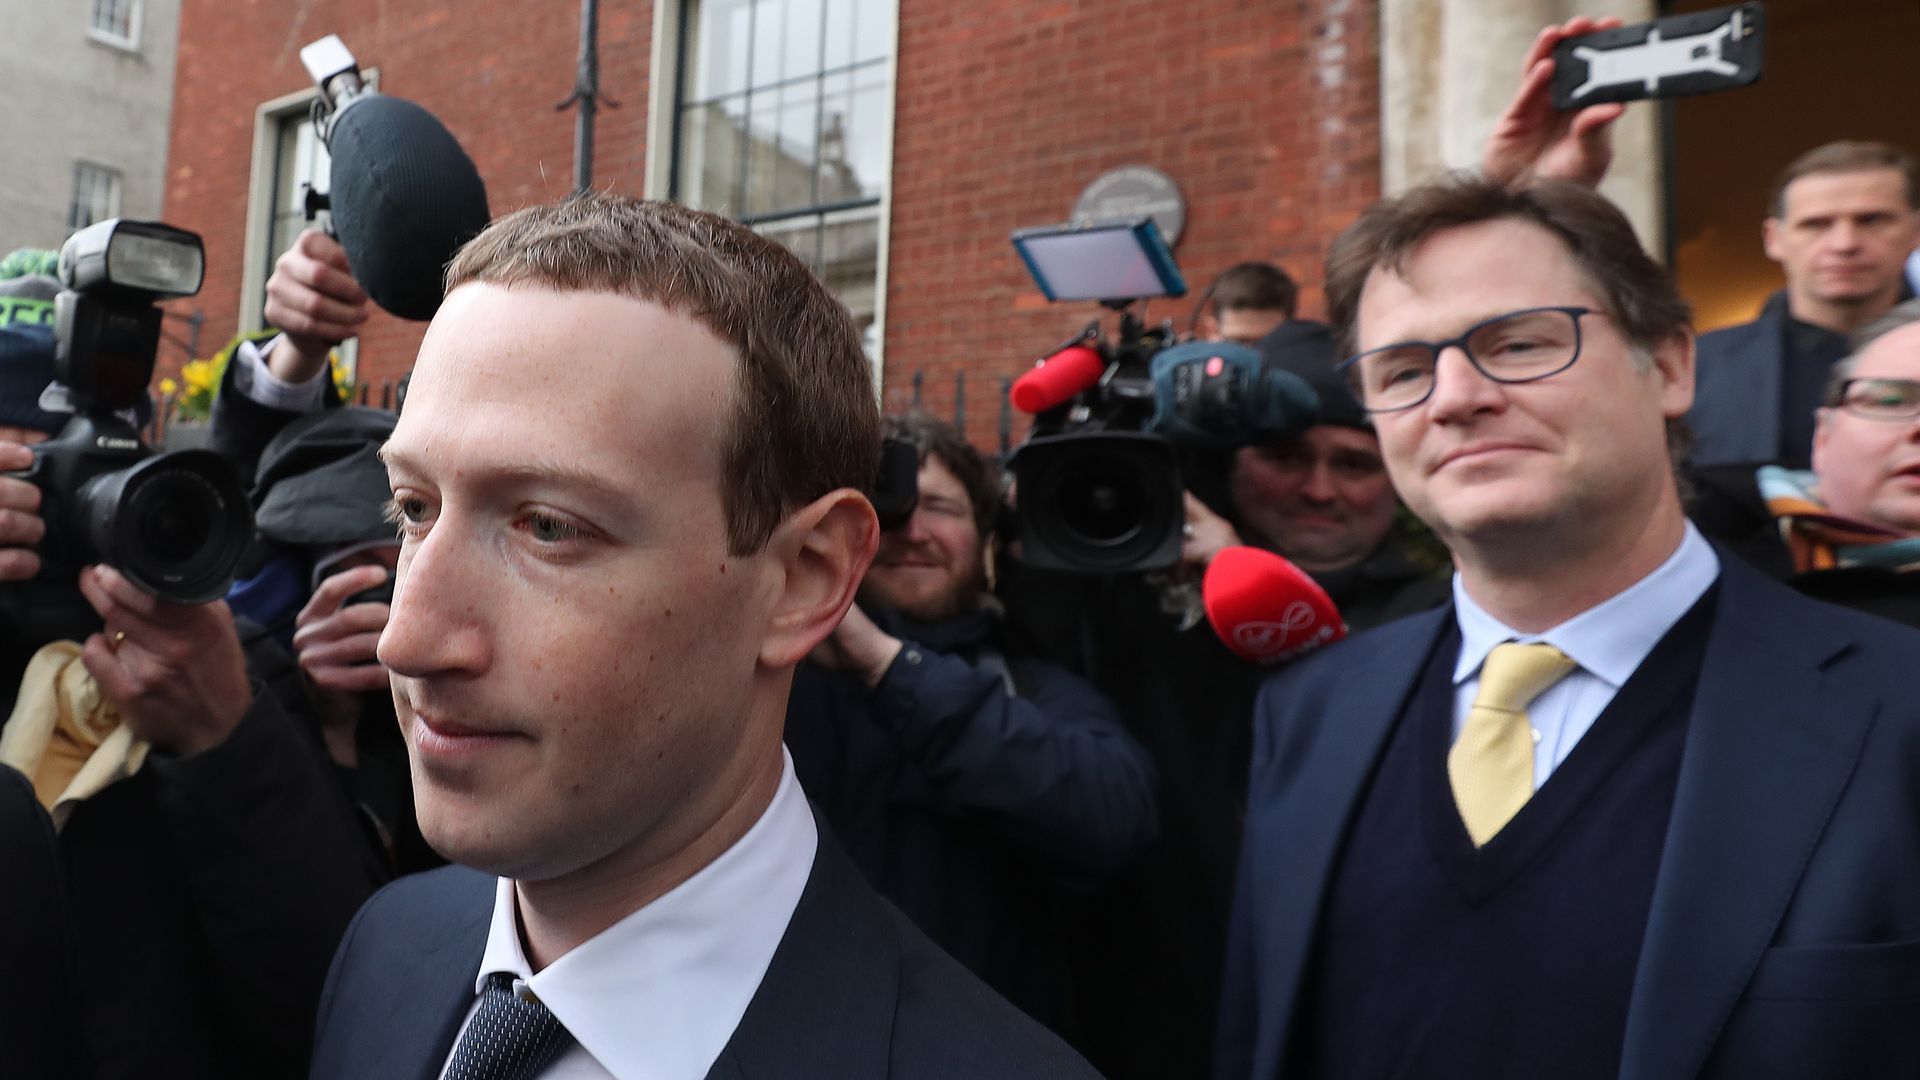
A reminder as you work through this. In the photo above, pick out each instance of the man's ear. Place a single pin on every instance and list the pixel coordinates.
(824, 549)
(1770, 239)
(1673, 362)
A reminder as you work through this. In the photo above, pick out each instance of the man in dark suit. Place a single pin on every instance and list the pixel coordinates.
(1626, 808)
(1841, 222)
(627, 483)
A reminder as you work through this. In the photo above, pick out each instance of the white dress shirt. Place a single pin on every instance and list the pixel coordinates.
(257, 381)
(656, 996)
(1608, 641)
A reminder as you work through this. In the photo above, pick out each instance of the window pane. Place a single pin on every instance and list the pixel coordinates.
(709, 174)
(95, 195)
(300, 160)
(113, 17)
(802, 43)
(763, 153)
(799, 119)
(868, 137)
(837, 46)
(719, 49)
(872, 32)
(769, 29)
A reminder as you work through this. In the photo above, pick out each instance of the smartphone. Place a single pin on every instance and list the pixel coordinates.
(1676, 56)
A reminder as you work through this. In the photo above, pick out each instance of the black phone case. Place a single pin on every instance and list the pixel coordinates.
(1571, 72)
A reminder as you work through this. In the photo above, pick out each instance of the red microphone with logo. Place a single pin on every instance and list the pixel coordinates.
(1265, 608)
(1057, 378)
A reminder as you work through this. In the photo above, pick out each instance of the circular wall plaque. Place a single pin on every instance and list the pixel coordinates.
(1134, 191)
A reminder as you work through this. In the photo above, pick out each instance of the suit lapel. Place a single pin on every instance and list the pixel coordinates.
(1321, 765)
(1770, 747)
(442, 993)
(827, 1002)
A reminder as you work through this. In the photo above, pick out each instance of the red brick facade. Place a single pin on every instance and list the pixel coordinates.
(1265, 112)
(1006, 109)
(491, 71)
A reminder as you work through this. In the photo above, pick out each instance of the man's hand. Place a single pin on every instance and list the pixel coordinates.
(1206, 532)
(1535, 141)
(334, 642)
(20, 524)
(315, 302)
(857, 645)
(175, 671)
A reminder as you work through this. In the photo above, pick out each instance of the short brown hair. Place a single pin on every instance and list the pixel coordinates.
(805, 420)
(1638, 293)
(1846, 156)
(1253, 286)
(944, 443)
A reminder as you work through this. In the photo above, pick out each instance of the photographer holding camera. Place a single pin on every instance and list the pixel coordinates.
(975, 786)
(211, 862)
(321, 575)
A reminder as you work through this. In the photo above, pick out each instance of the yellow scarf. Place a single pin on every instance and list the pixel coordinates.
(64, 736)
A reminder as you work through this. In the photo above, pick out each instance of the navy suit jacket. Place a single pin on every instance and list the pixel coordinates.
(1738, 375)
(1784, 935)
(854, 992)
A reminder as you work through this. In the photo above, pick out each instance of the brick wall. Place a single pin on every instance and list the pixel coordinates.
(1265, 112)
(491, 70)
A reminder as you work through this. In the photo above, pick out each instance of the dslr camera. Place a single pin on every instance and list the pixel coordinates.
(176, 524)
(1099, 485)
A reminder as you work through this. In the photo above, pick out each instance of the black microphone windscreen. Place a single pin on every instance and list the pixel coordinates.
(405, 198)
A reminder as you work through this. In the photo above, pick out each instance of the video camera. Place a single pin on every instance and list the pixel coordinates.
(176, 524)
(1099, 487)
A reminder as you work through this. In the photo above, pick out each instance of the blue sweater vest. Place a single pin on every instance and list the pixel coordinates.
(1515, 960)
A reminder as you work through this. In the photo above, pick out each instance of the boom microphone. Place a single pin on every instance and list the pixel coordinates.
(1057, 379)
(404, 197)
(1266, 609)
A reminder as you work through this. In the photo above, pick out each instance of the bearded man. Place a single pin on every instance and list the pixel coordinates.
(973, 786)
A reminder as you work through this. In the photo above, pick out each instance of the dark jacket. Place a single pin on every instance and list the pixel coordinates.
(208, 893)
(1727, 506)
(1738, 383)
(1147, 947)
(1740, 389)
(39, 1005)
(977, 791)
(1784, 934)
(854, 992)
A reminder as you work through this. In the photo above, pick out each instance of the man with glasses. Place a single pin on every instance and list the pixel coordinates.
(1848, 530)
(1626, 807)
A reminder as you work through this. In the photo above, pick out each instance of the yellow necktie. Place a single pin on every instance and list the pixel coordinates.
(1491, 764)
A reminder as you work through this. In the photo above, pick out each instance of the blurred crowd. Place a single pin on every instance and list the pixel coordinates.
(1065, 782)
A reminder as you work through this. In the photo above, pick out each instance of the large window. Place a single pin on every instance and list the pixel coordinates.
(116, 22)
(96, 195)
(300, 162)
(289, 161)
(785, 122)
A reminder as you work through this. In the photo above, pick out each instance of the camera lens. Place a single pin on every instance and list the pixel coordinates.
(177, 524)
(1105, 502)
(172, 532)
(1101, 501)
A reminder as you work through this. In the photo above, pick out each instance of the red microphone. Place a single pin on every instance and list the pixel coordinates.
(1057, 379)
(1265, 608)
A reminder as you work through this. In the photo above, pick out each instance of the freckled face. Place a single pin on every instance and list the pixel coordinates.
(570, 643)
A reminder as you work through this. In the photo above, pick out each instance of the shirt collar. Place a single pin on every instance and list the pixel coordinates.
(658, 994)
(1610, 639)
